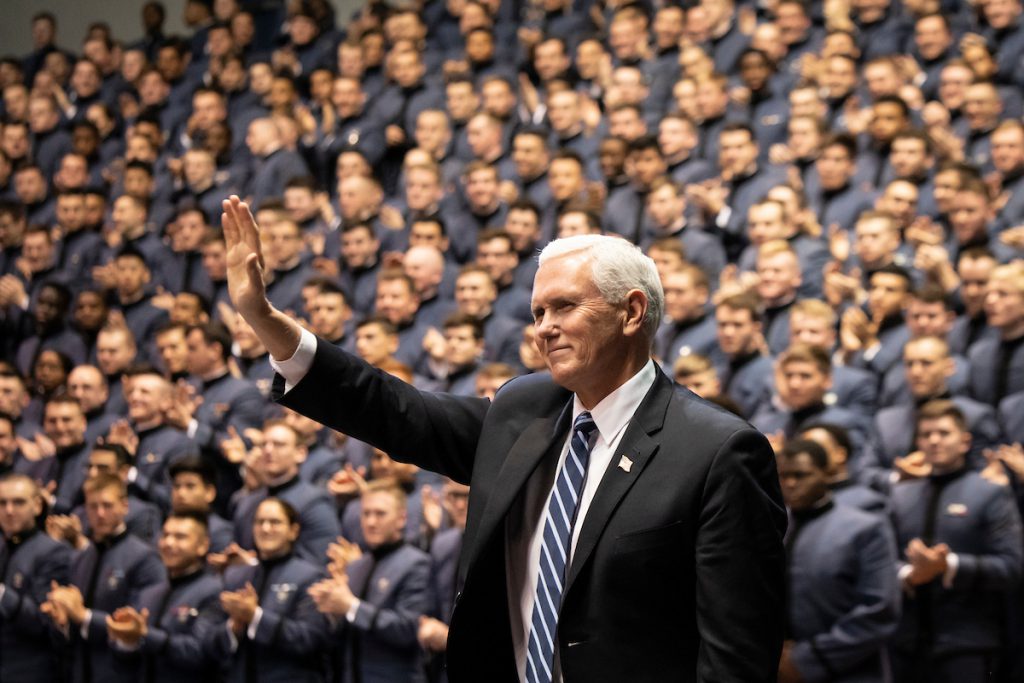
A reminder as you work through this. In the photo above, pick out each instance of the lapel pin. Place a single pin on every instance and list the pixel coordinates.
(625, 464)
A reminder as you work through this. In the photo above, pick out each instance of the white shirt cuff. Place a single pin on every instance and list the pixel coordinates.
(254, 624)
(870, 353)
(3, 589)
(232, 640)
(722, 219)
(193, 427)
(952, 564)
(350, 615)
(133, 474)
(296, 367)
(83, 628)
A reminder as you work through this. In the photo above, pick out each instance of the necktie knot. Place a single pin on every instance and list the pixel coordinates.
(584, 426)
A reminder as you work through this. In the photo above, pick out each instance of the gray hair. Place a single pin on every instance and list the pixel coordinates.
(617, 267)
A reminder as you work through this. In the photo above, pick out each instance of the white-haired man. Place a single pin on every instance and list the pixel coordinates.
(619, 528)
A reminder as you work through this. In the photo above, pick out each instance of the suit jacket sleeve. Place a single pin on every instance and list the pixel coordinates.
(438, 432)
(740, 564)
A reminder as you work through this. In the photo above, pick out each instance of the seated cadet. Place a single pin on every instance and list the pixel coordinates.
(959, 538)
(928, 366)
(165, 628)
(409, 478)
(453, 358)
(742, 366)
(276, 466)
(688, 328)
(475, 293)
(156, 444)
(143, 318)
(397, 302)
(667, 211)
(193, 490)
(803, 375)
(844, 601)
(111, 572)
(997, 364)
(495, 252)
(379, 598)
(778, 283)
(269, 629)
(89, 386)
(845, 489)
(772, 219)
(31, 561)
(874, 339)
(444, 554)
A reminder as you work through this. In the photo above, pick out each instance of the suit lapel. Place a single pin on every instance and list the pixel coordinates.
(637, 446)
(543, 437)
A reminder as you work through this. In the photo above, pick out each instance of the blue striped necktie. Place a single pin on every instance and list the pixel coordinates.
(558, 525)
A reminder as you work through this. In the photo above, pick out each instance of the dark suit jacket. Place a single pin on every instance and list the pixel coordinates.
(678, 571)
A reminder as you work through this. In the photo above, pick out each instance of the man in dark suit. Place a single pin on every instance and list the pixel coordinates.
(661, 546)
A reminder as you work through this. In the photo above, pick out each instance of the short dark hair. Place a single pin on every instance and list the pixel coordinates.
(193, 464)
(813, 449)
(215, 332)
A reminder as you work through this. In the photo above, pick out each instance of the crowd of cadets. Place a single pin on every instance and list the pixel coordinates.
(832, 192)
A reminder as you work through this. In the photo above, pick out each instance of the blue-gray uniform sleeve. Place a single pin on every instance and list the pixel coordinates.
(398, 626)
(21, 607)
(302, 633)
(246, 412)
(863, 630)
(998, 569)
(148, 571)
(320, 528)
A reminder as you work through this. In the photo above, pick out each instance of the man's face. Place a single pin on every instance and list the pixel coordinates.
(1000, 13)
(86, 384)
(765, 222)
(101, 461)
(374, 345)
(215, 261)
(482, 189)
(900, 200)
(887, 119)
(974, 278)
(928, 319)
(182, 545)
(433, 133)
(396, 301)
(626, 123)
(779, 277)
(932, 37)
(804, 137)
(1008, 149)
(737, 151)
(943, 443)
(272, 532)
(359, 248)
(131, 275)
(803, 483)
(106, 510)
(498, 258)
(563, 110)
(927, 366)
(645, 166)
(20, 505)
(808, 329)
(953, 83)
(203, 358)
(148, 396)
(665, 206)
(113, 352)
(37, 250)
(524, 228)
(90, 311)
(285, 242)
(49, 308)
(8, 441)
(70, 211)
(474, 294)
(42, 115)
(982, 106)
(173, 350)
(13, 397)
(29, 186)
(279, 456)
(684, 300)
(1004, 303)
(127, 214)
(611, 156)
(382, 519)
(422, 189)
(969, 217)
(190, 492)
(329, 315)
(14, 142)
(737, 330)
(565, 179)
(675, 137)
(64, 424)
(909, 157)
(875, 240)
(575, 329)
(463, 347)
(550, 60)
(801, 384)
(461, 101)
(835, 166)
(427, 234)
(529, 155)
(886, 294)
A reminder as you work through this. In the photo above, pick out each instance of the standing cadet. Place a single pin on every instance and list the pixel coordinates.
(380, 597)
(111, 572)
(843, 597)
(959, 537)
(270, 630)
(29, 561)
(167, 628)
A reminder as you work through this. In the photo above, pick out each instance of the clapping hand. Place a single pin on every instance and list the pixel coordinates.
(127, 625)
(926, 562)
(240, 607)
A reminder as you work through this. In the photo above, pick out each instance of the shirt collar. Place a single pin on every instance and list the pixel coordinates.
(616, 409)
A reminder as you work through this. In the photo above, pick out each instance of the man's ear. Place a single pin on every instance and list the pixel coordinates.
(636, 311)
